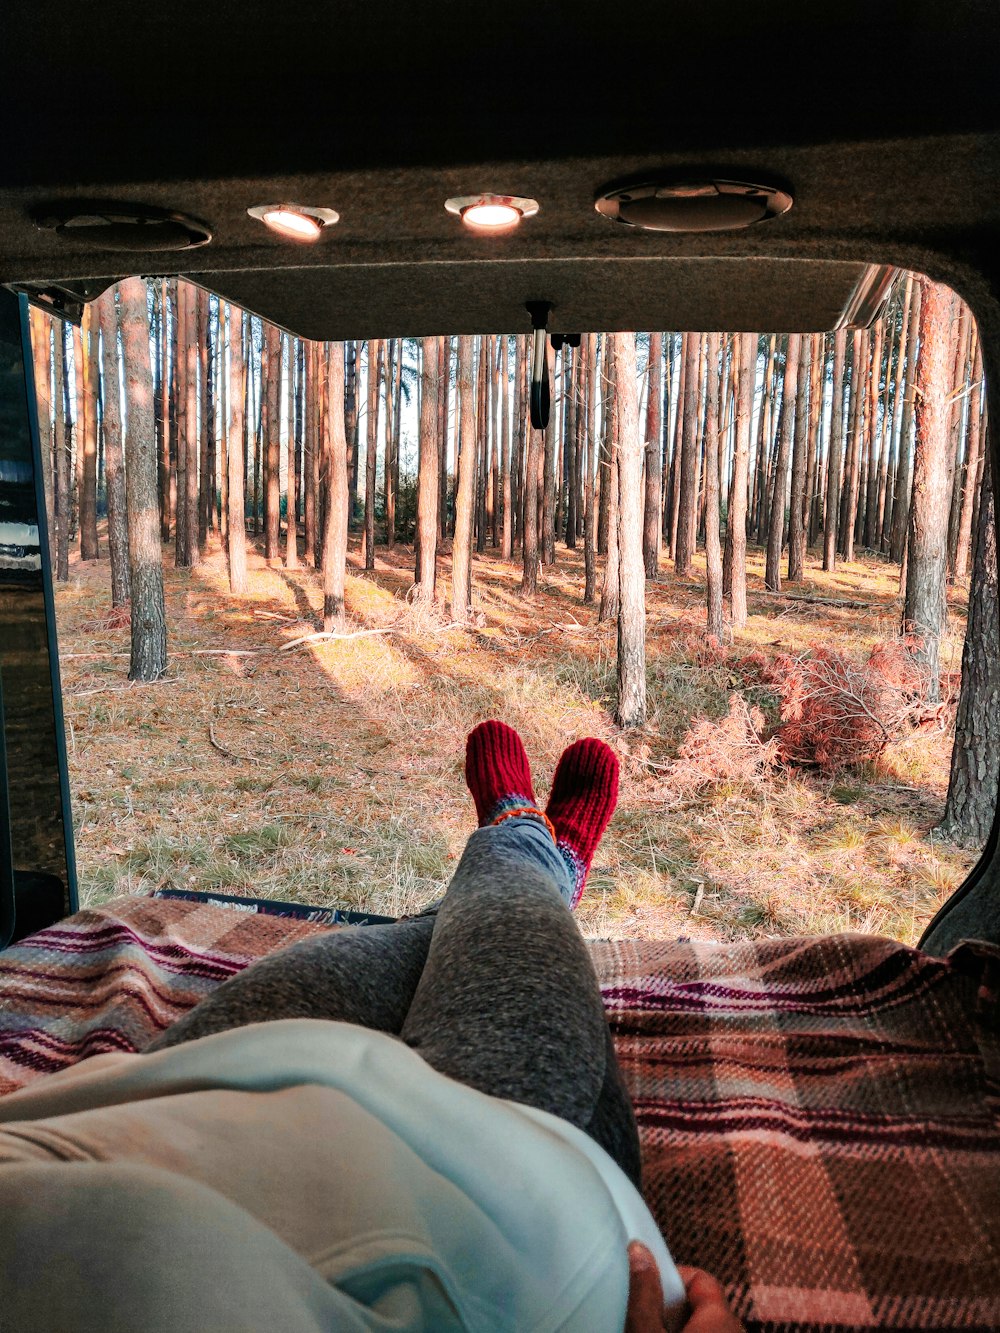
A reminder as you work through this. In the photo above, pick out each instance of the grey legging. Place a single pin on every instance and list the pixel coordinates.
(495, 988)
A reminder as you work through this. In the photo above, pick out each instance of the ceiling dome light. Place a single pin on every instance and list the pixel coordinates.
(491, 212)
(295, 222)
(692, 205)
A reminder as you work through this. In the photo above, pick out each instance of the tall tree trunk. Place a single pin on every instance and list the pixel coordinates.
(796, 512)
(206, 489)
(272, 445)
(835, 451)
(904, 472)
(444, 396)
(895, 441)
(351, 416)
(41, 347)
(393, 351)
(465, 488)
(974, 468)
(309, 436)
(63, 445)
(687, 515)
(181, 363)
(294, 437)
(549, 479)
(631, 706)
(975, 761)
(114, 464)
(507, 526)
(192, 420)
(874, 393)
(149, 627)
(236, 540)
(427, 472)
(810, 504)
(609, 592)
(779, 481)
(852, 464)
(374, 378)
(651, 515)
(166, 434)
(924, 607)
(338, 492)
(736, 528)
(87, 440)
(590, 360)
(713, 546)
(538, 443)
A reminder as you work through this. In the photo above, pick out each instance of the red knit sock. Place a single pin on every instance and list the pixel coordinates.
(497, 771)
(582, 801)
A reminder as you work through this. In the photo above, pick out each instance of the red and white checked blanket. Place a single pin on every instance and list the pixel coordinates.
(819, 1116)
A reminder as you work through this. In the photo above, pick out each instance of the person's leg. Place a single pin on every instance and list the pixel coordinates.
(361, 974)
(509, 1002)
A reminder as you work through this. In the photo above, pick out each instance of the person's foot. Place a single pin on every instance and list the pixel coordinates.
(581, 803)
(497, 771)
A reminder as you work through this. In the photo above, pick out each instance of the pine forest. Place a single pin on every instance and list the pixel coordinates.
(291, 576)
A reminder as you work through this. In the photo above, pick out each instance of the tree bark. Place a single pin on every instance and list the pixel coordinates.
(631, 706)
(796, 510)
(737, 522)
(609, 593)
(149, 627)
(713, 547)
(192, 422)
(590, 361)
(41, 347)
(294, 437)
(427, 473)
(654, 480)
(62, 456)
(835, 452)
(779, 481)
(537, 444)
(974, 468)
(975, 760)
(924, 607)
(374, 377)
(465, 488)
(506, 524)
(338, 490)
(904, 471)
(272, 444)
(236, 537)
(687, 515)
(114, 465)
(87, 440)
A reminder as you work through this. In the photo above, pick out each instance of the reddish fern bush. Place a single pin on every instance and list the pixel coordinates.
(732, 749)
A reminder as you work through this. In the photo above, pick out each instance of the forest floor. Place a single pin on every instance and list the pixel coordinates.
(330, 772)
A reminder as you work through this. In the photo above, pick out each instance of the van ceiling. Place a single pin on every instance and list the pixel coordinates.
(882, 120)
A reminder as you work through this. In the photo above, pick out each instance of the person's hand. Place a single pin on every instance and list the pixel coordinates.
(707, 1309)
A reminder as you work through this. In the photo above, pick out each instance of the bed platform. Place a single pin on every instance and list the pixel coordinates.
(819, 1116)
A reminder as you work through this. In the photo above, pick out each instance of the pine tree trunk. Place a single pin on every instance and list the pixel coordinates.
(374, 379)
(609, 592)
(549, 476)
(975, 761)
(114, 464)
(631, 706)
(351, 415)
(338, 494)
(779, 481)
(41, 347)
(974, 468)
(872, 434)
(713, 546)
(506, 490)
(810, 506)
(427, 473)
(166, 434)
(294, 435)
(62, 444)
(191, 419)
(236, 527)
(392, 352)
(590, 361)
(309, 433)
(673, 501)
(736, 533)
(687, 514)
(852, 465)
(955, 469)
(149, 628)
(271, 446)
(87, 413)
(444, 381)
(796, 509)
(651, 513)
(924, 607)
(835, 452)
(206, 489)
(465, 488)
(895, 462)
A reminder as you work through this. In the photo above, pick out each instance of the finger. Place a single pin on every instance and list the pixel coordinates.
(645, 1294)
(710, 1312)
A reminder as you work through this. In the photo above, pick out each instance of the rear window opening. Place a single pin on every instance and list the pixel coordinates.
(786, 775)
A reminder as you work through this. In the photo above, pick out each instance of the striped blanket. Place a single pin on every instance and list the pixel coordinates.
(819, 1116)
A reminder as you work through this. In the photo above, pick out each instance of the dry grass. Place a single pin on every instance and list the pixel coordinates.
(332, 773)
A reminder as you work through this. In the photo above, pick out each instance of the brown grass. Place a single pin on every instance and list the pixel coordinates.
(332, 773)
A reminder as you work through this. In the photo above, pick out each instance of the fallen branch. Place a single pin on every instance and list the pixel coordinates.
(230, 754)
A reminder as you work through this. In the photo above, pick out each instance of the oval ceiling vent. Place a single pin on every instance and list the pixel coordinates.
(692, 205)
(111, 226)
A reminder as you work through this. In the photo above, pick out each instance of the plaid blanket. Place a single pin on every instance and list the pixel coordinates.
(819, 1116)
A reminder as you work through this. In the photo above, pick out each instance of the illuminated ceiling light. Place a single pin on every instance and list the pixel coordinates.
(491, 212)
(671, 204)
(295, 222)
